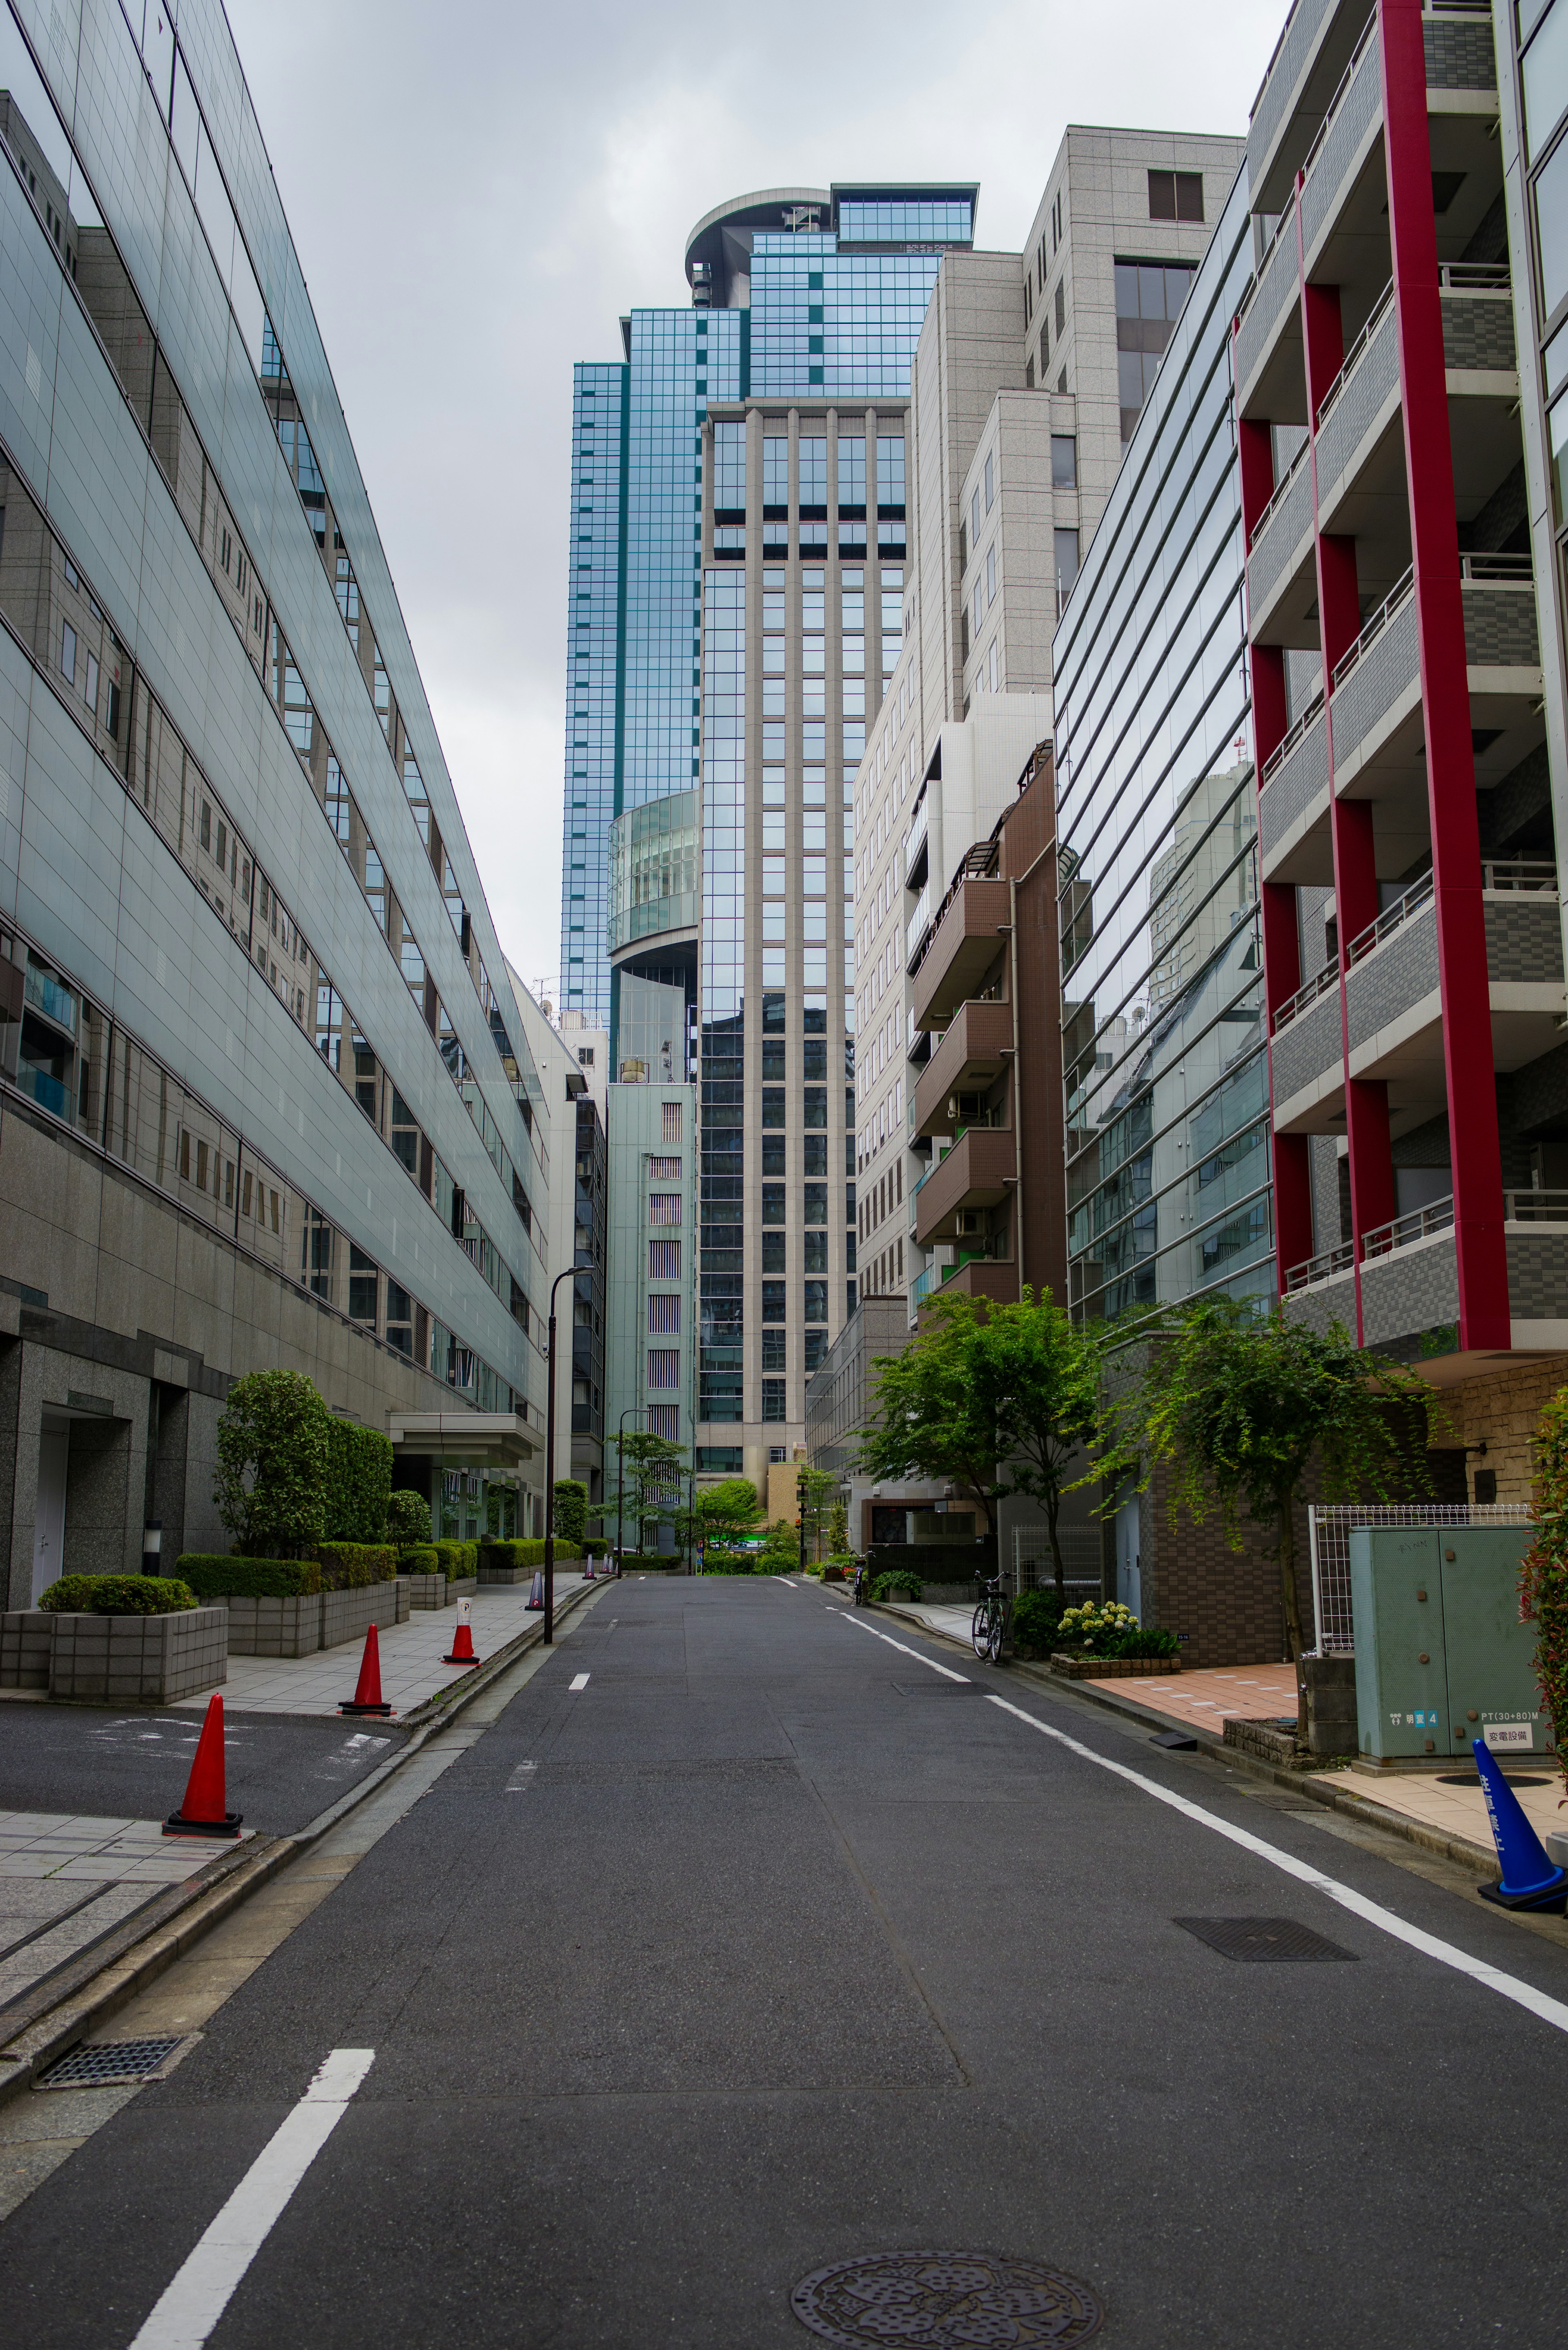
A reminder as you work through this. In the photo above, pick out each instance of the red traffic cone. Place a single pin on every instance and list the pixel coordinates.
(203, 1814)
(463, 1647)
(367, 1697)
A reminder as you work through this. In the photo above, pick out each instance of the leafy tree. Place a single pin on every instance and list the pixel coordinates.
(814, 1490)
(1235, 1404)
(407, 1518)
(358, 1482)
(571, 1510)
(1543, 1578)
(726, 1514)
(933, 1421)
(838, 1529)
(651, 1469)
(274, 1445)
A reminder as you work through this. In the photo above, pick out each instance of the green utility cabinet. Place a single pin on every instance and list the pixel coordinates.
(1440, 1654)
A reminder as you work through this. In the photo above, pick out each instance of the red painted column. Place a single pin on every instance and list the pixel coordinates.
(1473, 1142)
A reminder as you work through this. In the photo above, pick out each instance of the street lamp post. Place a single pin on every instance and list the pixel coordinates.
(569, 1275)
(632, 1411)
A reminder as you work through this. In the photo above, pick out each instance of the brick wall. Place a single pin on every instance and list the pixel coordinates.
(1501, 1411)
(1227, 1602)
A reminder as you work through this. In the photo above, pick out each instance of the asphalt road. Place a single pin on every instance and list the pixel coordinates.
(282, 1770)
(772, 1947)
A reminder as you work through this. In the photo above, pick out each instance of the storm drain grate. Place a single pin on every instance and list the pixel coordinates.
(109, 2065)
(1275, 1939)
(946, 2301)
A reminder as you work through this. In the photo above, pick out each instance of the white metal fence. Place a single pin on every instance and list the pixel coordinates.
(1330, 1530)
(1033, 1564)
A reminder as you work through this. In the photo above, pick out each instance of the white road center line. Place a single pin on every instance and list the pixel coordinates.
(903, 1651)
(1448, 1954)
(192, 2303)
(581, 1682)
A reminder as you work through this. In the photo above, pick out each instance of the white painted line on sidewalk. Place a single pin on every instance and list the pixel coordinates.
(192, 2303)
(581, 1682)
(1448, 1954)
(903, 1651)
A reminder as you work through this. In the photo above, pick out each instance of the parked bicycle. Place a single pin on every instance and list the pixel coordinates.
(989, 1628)
(862, 1583)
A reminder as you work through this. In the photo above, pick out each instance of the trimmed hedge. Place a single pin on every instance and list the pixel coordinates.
(458, 1559)
(571, 1510)
(358, 1484)
(349, 1566)
(670, 1560)
(213, 1577)
(118, 1594)
(407, 1518)
(420, 1558)
(529, 1553)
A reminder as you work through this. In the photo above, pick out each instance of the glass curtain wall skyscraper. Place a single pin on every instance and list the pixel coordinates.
(736, 641)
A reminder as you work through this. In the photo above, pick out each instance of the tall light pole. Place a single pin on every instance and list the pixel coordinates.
(632, 1411)
(569, 1275)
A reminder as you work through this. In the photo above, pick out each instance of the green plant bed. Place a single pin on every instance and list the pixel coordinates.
(899, 1583)
(420, 1558)
(651, 1562)
(459, 1560)
(118, 1594)
(529, 1553)
(348, 1567)
(212, 1576)
(1036, 1623)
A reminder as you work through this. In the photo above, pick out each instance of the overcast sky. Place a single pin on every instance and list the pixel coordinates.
(477, 194)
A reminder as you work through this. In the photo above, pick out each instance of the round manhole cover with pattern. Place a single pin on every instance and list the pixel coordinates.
(946, 2301)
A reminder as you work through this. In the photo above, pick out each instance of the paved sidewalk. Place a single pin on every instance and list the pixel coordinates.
(412, 1658)
(65, 1880)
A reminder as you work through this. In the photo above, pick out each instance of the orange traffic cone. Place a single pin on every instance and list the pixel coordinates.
(203, 1814)
(463, 1647)
(367, 1697)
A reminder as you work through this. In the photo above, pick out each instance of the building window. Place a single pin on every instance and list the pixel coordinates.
(67, 652)
(363, 1283)
(664, 1260)
(1066, 564)
(774, 1401)
(672, 1110)
(990, 485)
(664, 1207)
(815, 1300)
(1149, 295)
(1061, 306)
(990, 576)
(664, 1171)
(664, 1419)
(1063, 461)
(664, 1312)
(1175, 195)
(664, 1367)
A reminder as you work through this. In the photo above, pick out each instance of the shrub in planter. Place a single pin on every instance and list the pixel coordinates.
(458, 1559)
(213, 1577)
(407, 1518)
(358, 1482)
(1038, 1621)
(571, 1510)
(420, 1558)
(1112, 1629)
(840, 1567)
(899, 1583)
(524, 1552)
(118, 1594)
(1144, 1641)
(348, 1567)
(270, 1486)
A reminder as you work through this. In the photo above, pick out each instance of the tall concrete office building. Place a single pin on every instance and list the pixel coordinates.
(740, 507)
(265, 1093)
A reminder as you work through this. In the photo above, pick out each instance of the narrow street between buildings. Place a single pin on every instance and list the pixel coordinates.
(752, 1936)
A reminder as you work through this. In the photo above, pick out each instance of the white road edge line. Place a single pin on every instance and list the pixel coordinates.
(903, 1651)
(581, 1682)
(191, 2304)
(787, 1583)
(1448, 1954)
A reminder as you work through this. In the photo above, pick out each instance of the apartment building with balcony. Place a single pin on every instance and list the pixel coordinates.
(265, 1097)
(1404, 623)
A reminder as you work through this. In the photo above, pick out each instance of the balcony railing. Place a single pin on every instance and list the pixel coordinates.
(1373, 628)
(916, 926)
(1337, 100)
(924, 1283)
(1322, 1267)
(1536, 1207)
(1401, 1231)
(1282, 749)
(1389, 920)
(1536, 873)
(1276, 495)
(1304, 997)
(1353, 353)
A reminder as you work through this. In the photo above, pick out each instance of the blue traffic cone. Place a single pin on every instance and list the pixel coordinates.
(1529, 1880)
(537, 1596)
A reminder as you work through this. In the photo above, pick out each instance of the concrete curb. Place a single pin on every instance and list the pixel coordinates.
(53, 2014)
(1345, 1800)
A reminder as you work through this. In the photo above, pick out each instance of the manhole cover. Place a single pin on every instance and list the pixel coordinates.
(109, 2065)
(945, 2301)
(1472, 1779)
(1266, 1939)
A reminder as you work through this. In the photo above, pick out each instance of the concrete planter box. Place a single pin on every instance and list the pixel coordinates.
(463, 1586)
(506, 1573)
(348, 1615)
(402, 1588)
(128, 1659)
(1265, 1739)
(425, 1590)
(24, 1638)
(273, 1626)
(1331, 1687)
(1107, 1668)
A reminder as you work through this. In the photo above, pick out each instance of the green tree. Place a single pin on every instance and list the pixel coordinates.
(274, 1445)
(1235, 1404)
(838, 1529)
(814, 1489)
(649, 1479)
(726, 1514)
(933, 1420)
(407, 1518)
(571, 1510)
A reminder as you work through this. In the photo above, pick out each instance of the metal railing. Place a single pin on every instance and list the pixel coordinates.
(1535, 1207)
(1499, 570)
(1337, 100)
(1304, 997)
(1034, 1566)
(1389, 920)
(1475, 277)
(1322, 1267)
(1373, 626)
(1400, 1232)
(1353, 353)
(1287, 743)
(1510, 874)
(1278, 491)
(1329, 1530)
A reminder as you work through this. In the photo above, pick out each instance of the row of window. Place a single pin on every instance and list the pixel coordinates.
(87, 1071)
